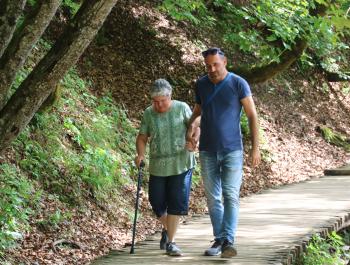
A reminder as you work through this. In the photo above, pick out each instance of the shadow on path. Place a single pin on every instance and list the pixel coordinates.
(273, 226)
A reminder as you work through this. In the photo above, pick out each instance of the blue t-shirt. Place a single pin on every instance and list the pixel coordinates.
(220, 119)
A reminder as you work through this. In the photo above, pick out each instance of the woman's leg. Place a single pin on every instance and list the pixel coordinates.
(172, 224)
(157, 198)
(178, 192)
(164, 220)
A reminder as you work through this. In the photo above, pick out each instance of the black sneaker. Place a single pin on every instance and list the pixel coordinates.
(163, 240)
(215, 249)
(172, 249)
(228, 251)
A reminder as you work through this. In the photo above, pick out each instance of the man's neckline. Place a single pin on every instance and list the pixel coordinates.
(226, 76)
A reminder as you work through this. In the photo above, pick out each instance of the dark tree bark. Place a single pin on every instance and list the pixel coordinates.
(22, 43)
(335, 77)
(42, 81)
(10, 10)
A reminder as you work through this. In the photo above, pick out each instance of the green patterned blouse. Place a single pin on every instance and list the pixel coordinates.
(167, 132)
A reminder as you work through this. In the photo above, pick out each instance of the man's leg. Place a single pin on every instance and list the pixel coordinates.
(210, 170)
(212, 187)
(231, 182)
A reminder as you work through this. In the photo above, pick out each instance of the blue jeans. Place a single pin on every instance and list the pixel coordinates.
(222, 177)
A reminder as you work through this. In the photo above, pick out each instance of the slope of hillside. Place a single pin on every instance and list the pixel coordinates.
(136, 46)
(291, 106)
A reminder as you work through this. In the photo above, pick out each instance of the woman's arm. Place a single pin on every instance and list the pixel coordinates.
(141, 143)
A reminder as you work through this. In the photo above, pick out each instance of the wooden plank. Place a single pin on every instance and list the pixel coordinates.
(273, 227)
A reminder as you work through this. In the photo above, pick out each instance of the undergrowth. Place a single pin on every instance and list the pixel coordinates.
(17, 202)
(79, 149)
(327, 250)
(335, 138)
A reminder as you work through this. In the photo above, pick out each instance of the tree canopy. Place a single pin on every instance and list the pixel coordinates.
(274, 33)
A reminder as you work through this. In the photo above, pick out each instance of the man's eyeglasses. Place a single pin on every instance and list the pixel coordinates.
(213, 51)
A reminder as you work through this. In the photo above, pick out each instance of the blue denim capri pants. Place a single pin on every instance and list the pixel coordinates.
(170, 194)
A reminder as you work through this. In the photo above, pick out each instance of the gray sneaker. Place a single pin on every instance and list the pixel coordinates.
(215, 249)
(172, 249)
(228, 251)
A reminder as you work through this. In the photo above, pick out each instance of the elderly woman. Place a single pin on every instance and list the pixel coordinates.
(164, 125)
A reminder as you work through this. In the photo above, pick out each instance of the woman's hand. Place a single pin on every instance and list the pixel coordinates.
(138, 160)
(191, 146)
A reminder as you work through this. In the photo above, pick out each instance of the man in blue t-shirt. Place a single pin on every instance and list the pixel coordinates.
(220, 96)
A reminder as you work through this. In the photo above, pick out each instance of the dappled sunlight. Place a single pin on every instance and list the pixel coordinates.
(68, 182)
(270, 225)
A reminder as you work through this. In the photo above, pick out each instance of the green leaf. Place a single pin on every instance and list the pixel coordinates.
(340, 22)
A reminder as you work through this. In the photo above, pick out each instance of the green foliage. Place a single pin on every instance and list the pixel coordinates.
(255, 31)
(345, 89)
(321, 251)
(335, 138)
(265, 153)
(44, 44)
(346, 236)
(245, 125)
(22, 74)
(54, 220)
(72, 5)
(86, 152)
(16, 198)
(196, 174)
(194, 11)
(32, 2)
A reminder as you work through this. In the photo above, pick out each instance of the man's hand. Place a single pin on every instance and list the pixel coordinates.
(193, 130)
(192, 138)
(250, 111)
(255, 157)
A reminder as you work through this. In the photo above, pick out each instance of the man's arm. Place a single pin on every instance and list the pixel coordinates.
(141, 142)
(250, 110)
(193, 131)
(194, 120)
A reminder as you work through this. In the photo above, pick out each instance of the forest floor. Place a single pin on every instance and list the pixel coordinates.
(137, 46)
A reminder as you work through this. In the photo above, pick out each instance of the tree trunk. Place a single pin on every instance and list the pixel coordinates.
(33, 91)
(22, 43)
(10, 10)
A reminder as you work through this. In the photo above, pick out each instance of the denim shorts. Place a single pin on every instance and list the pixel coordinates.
(170, 194)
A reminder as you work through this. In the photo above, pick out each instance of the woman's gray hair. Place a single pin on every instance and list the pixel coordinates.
(161, 87)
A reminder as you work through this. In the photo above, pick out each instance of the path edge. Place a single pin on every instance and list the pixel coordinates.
(294, 254)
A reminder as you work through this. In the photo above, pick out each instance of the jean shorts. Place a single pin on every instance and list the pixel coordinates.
(170, 194)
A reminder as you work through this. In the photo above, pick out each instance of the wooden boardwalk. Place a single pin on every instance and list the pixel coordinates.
(273, 227)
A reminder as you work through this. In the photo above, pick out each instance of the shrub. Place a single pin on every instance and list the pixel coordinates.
(16, 197)
(321, 251)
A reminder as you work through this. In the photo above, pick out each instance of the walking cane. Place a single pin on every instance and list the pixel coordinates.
(139, 180)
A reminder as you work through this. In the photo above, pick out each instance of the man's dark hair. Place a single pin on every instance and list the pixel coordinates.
(213, 51)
